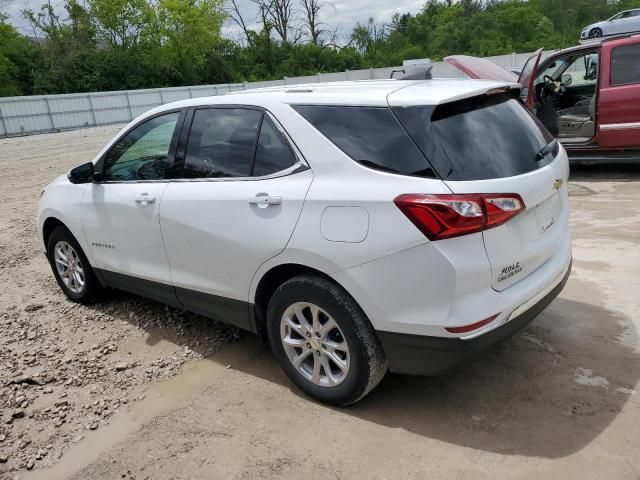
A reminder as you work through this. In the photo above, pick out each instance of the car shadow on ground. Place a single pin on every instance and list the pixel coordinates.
(548, 392)
(605, 172)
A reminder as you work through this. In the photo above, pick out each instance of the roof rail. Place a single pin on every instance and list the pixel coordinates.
(610, 38)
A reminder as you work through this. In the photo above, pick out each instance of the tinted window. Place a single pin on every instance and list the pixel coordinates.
(273, 154)
(222, 143)
(625, 65)
(480, 138)
(371, 136)
(142, 153)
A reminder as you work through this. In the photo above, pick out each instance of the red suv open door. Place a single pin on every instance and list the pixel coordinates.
(528, 76)
(618, 104)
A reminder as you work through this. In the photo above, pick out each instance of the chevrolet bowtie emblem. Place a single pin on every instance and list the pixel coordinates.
(558, 183)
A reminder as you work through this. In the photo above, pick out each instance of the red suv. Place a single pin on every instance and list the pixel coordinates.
(588, 96)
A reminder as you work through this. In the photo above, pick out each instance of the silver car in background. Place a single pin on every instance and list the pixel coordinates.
(623, 22)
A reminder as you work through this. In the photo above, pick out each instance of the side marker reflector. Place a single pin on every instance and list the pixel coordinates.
(473, 326)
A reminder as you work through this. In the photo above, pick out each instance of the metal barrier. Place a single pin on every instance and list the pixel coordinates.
(52, 113)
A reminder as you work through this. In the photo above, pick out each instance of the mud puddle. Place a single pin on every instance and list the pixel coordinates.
(156, 400)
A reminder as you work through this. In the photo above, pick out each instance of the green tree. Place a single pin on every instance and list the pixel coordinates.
(9, 50)
(190, 31)
(67, 54)
(121, 23)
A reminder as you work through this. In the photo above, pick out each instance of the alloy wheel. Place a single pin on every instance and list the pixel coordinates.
(315, 344)
(69, 267)
(595, 33)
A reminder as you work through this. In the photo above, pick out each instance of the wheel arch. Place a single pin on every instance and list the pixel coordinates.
(270, 281)
(49, 226)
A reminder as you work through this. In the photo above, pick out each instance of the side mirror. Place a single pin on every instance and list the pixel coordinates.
(82, 174)
(567, 79)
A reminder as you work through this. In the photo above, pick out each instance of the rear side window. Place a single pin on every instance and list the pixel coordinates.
(625, 65)
(222, 143)
(480, 138)
(273, 154)
(371, 136)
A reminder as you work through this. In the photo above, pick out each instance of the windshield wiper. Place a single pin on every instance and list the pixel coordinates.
(546, 150)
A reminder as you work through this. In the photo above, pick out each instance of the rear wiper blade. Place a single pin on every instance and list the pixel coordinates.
(546, 150)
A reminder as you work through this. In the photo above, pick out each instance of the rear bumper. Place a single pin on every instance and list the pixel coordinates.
(423, 355)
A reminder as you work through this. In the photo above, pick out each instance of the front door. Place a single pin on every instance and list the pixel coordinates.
(236, 206)
(618, 105)
(120, 211)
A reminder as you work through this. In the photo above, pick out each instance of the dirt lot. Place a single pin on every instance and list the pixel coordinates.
(130, 389)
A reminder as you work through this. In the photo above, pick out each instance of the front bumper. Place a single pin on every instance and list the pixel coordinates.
(424, 355)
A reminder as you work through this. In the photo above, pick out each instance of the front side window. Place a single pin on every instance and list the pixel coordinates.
(222, 143)
(142, 154)
(625, 65)
(620, 16)
(273, 154)
(372, 136)
(583, 70)
(574, 71)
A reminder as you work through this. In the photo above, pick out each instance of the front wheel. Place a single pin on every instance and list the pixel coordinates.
(595, 33)
(71, 267)
(323, 341)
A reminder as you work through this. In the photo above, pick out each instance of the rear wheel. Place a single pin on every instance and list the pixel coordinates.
(323, 341)
(595, 33)
(71, 267)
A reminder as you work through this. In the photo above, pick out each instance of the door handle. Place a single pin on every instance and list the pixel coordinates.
(263, 201)
(145, 199)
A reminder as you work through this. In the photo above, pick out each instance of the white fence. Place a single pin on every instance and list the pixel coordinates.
(51, 113)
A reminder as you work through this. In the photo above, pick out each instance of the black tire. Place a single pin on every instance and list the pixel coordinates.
(91, 290)
(367, 361)
(595, 33)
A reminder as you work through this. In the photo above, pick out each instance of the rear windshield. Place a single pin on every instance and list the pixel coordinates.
(480, 138)
(372, 136)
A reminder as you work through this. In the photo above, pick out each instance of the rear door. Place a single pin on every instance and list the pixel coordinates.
(619, 96)
(235, 206)
(493, 144)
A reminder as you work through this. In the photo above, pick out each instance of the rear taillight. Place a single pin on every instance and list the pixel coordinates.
(446, 216)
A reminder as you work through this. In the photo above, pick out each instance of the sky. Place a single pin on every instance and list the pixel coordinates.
(335, 13)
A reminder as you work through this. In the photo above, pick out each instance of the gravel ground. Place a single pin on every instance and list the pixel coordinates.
(80, 396)
(66, 368)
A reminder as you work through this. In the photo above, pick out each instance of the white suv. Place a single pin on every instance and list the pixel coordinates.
(362, 227)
